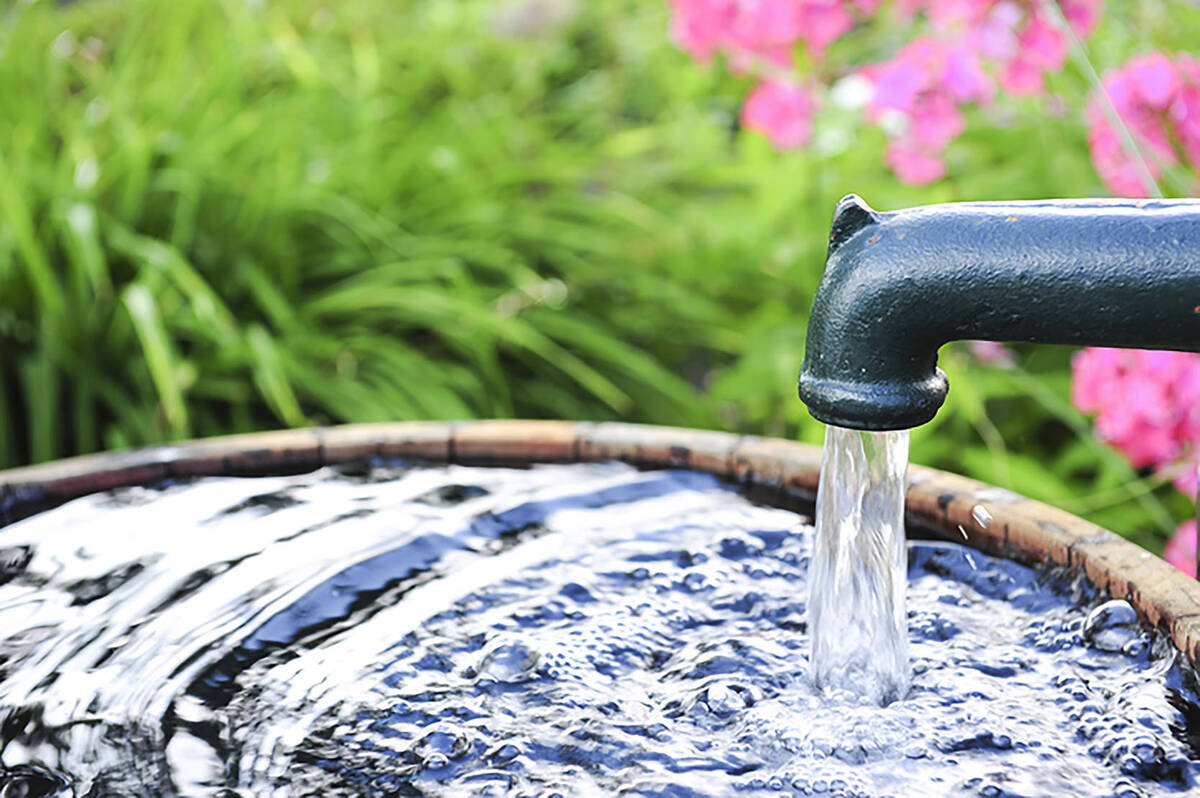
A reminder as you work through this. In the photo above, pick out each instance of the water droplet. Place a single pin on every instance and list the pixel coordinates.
(981, 516)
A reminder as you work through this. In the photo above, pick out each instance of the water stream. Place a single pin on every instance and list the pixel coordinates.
(581, 630)
(856, 605)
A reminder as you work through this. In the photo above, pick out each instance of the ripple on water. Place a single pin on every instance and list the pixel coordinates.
(583, 629)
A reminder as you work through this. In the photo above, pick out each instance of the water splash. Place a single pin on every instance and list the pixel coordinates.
(856, 601)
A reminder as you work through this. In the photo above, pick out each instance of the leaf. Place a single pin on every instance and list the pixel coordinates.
(160, 359)
(271, 377)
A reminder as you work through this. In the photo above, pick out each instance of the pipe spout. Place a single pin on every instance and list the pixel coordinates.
(898, 285)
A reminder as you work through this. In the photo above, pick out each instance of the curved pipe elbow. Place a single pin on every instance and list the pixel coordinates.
(897, 286)
(867, 365)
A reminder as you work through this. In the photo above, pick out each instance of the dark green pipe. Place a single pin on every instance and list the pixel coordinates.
(898, 285)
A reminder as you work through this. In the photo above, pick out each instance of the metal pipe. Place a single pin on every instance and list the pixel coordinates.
(899, 285)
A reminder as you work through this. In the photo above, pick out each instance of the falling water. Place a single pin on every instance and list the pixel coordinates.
(857, 585)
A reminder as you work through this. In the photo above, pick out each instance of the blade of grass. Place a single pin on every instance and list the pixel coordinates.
(8, 443)
(160, 359)
(271, 377)
(42, 390)
(18, 218)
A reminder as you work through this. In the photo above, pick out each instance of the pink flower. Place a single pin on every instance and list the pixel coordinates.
(992, 353)
(1146, 405)
(1016, 35)
(965, 77)
(822, 23)
(994, 36)
(913, 165)
(1091, 371)
(918, 94)
(1022, 77)
(1159, 101)
(780, 111)
(1043, 44)
(1153, 80)
(1180, 550)
(935, 121)
(767, 30)
(699, 26)
(922, 88)
(1184, 112)
(1082, 15)
(1119, 172)
(1041, 48)
(897, 84)
(1185, 480)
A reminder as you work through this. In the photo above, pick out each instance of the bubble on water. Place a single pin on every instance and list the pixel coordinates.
(1136, 648)
(21, 781)
(723, 700)
(1127, 789)
(435, 761)
(503, 754)
(1112, 626)
(508, 662)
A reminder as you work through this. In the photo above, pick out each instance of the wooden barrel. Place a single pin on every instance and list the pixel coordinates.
(773, 471)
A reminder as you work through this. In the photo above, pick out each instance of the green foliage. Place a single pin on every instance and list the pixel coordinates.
(222, 215)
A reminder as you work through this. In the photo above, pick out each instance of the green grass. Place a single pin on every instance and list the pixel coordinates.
(219, 216)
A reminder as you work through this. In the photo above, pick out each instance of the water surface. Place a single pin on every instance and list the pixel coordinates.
(583, 629)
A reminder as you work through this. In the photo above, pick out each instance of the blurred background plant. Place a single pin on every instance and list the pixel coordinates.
(226, 215)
